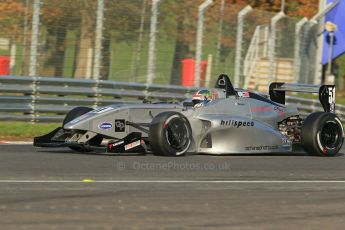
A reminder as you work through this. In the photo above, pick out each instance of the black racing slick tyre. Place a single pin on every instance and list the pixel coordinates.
(170, 134)
(322, 134)
(73, 114)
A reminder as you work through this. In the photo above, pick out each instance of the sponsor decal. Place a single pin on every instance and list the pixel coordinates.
(261, 148)
(120, 125)
(117, 143)
(102, 110)
(279, 110)
(105, 125)
(112, 145)
(237, 124)
(243, 94)
(132, 145)
(261, 109)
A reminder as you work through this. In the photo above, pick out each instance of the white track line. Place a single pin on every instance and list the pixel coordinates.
(175, 181)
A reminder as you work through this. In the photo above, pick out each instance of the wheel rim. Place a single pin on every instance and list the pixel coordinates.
(329, 135)
(177, 134)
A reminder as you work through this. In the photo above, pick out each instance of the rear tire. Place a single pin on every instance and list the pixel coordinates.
(170, 134)
(322, 134)
(73, 114)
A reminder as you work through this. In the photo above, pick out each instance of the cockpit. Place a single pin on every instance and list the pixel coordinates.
(223, 89)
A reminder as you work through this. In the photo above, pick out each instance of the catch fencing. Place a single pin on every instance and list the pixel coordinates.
(146, 40)
(42, 99)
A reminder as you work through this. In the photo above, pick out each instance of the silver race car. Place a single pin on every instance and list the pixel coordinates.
(222, 120)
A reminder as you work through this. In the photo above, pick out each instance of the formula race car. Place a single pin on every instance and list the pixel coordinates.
(222, 120)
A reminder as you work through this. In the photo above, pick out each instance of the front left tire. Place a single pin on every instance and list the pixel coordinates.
(170, 134)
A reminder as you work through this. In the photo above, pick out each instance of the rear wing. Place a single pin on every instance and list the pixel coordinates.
(326, 93)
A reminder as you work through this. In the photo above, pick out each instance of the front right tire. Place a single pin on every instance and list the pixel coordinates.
(73, 114)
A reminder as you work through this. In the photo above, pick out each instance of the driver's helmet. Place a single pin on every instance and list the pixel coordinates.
(202, 97)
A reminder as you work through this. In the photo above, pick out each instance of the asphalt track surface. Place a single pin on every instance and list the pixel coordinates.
(59, 189)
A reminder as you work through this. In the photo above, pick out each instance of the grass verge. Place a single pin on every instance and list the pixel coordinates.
(24, 131)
